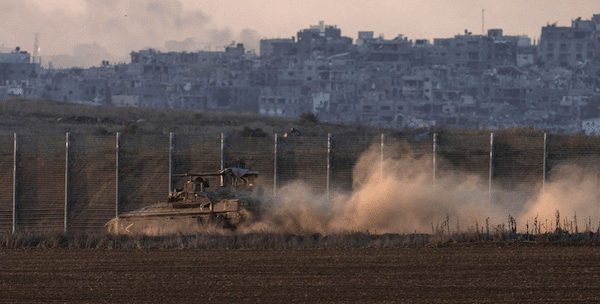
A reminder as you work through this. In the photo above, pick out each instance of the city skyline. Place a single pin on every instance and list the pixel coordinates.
(96, 30)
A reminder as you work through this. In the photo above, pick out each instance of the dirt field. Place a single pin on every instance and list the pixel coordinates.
(486, 273)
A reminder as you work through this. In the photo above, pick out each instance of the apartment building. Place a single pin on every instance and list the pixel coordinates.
(571, 46)
(17, 73)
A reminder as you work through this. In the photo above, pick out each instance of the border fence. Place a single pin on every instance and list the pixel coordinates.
(79, 182)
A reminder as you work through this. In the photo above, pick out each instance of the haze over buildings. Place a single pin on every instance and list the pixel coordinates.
(469, 79)
(92, 30)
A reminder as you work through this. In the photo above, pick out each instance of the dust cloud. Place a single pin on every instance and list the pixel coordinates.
(399, 196)
(573, 192)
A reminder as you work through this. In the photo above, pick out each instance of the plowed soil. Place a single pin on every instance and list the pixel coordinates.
(487, 273)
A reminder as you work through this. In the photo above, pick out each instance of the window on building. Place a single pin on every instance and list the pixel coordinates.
(579, 35)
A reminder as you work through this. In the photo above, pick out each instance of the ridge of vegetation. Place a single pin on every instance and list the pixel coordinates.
(35, 116)
(41, 116)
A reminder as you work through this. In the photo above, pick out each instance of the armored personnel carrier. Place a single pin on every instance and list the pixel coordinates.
(193, 208)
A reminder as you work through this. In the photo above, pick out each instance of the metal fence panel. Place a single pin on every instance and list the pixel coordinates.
(195, 154)
(6, 183)
(580, 150)
(41, 183)
(518, 159)
(303, 159)
(419, 149)
(465, 152)
(255, 153)
(144, 171)
(92, 181)
(345, 153)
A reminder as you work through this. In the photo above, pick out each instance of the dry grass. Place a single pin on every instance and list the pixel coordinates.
(567, 234)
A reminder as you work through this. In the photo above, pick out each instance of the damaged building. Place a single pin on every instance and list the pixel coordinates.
(471, 81)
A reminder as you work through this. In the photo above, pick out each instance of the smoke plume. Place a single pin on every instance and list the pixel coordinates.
(114, 28)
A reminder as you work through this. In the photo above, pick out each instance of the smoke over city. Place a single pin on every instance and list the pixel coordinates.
(402, 199)
(109, 30)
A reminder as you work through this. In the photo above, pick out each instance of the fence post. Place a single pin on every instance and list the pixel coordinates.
(171, 163)
(275, 168)
(328, 163)
(66, 183)
(545, 164)
(117, 198)
(222, 157)
(491, 177)
(14, 205)
(381, 159)
(434, 156)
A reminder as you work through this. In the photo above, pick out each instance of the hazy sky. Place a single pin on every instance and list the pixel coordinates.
(113, 28)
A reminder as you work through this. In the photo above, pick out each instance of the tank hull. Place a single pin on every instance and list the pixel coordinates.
(164, 219)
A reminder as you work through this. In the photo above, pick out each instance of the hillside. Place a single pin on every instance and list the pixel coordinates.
(33, 116)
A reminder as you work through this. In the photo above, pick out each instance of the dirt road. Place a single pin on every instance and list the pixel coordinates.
(403, 275)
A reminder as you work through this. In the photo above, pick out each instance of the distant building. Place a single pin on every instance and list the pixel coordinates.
(16, 67)
(476, 53)
(570, 46)
(526, 55)
(283, 101)
(126, 100)
(278, 47)
(322, 40)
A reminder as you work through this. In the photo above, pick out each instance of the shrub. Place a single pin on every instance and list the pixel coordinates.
(248, 132)
(129, 128)
(307, 118)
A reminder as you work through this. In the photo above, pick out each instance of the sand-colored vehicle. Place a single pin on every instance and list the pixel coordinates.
(193, 208)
